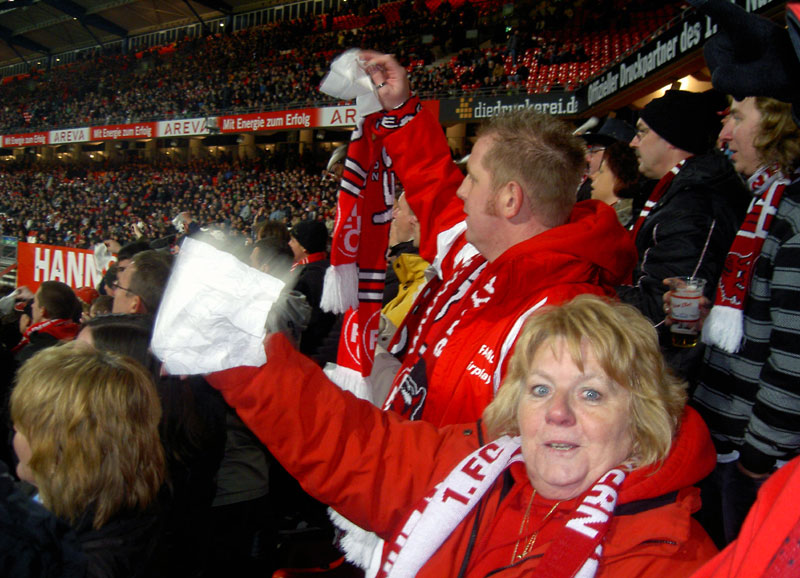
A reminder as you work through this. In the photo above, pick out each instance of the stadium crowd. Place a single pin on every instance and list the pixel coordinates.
(281, 64)
(69, 206)
(538, 407)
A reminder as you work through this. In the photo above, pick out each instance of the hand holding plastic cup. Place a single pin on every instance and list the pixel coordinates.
(684, 309)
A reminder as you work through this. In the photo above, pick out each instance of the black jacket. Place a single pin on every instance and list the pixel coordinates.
(33, 541)
(688, 232)
(320, 339)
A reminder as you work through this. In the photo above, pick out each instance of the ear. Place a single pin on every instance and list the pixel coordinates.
(137, 306)
(510, 200)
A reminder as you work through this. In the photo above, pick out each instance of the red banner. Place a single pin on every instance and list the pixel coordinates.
(25, 140)
(261, 121)
(122, 131)
(39, 263)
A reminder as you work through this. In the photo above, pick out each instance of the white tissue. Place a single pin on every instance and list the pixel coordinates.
(213, 312)
(348, 80)
(102, 258)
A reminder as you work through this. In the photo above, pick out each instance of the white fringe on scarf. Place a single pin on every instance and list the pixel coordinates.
(362, 548)
(723, 328)
(340, 288)
(350, 380)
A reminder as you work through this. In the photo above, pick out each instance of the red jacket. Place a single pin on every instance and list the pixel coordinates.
(770, 521)
(459, 332)
(374, 467)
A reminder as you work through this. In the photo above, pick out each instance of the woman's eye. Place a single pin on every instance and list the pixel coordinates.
(540, 390)
(592, 395)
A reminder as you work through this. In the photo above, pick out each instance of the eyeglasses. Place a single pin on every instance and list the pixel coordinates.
(117, 286)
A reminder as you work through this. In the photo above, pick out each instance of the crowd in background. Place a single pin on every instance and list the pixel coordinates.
(77, 207)
(281, 64)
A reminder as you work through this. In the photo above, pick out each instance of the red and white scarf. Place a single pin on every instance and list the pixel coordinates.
(724, 326)
(312, 258)
(658, 192)
(61, 329)
(355, 280)
(575, 551)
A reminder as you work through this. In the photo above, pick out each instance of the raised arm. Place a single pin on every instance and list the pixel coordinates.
(419, 151)
(371, 466)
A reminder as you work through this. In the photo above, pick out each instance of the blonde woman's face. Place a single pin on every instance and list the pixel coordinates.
(575, 425)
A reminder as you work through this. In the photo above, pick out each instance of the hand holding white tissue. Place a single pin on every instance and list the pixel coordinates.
(102, 258)
(347, 80)
(213, 312)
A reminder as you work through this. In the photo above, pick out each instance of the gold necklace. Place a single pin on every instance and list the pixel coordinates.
(532, 540)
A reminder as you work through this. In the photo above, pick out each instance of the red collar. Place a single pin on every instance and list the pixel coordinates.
(61, 329)
(313, 257)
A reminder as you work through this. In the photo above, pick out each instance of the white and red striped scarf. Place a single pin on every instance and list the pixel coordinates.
(658, 192)
(354, 282)
(575, 551)
(724, 326)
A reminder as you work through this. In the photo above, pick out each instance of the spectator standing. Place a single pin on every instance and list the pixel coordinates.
(54, 316)
(748, 391)
(694, 211)
(140, 285)
(86, 426)
(309, 241)
(523, 243)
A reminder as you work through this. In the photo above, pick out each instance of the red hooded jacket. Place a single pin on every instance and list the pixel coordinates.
(461, 329)
(374, 467)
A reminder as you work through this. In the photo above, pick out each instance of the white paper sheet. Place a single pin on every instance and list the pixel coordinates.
(213, 312)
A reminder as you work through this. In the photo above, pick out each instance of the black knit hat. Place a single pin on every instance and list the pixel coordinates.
(752, 56)
(688, 120)
(312, 235)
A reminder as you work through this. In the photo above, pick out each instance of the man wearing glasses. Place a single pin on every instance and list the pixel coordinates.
(140, 285)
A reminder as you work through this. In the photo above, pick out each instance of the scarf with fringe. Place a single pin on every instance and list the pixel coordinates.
(724, 326)
(355, 280)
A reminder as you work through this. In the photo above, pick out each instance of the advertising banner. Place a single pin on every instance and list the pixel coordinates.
(479, 108)
(124, 131)
(71, 135)
(263, 121)
(666, 49)
(184, 127)
(326, 117)
(30, 139)
(38, 263)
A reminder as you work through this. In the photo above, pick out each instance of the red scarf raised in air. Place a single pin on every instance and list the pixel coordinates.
(355, 280)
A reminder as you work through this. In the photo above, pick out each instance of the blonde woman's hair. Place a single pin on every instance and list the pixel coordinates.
(626, 347)
(91, 419)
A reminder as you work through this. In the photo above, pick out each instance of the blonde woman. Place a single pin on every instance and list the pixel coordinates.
(86, 435)
(583, 464)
